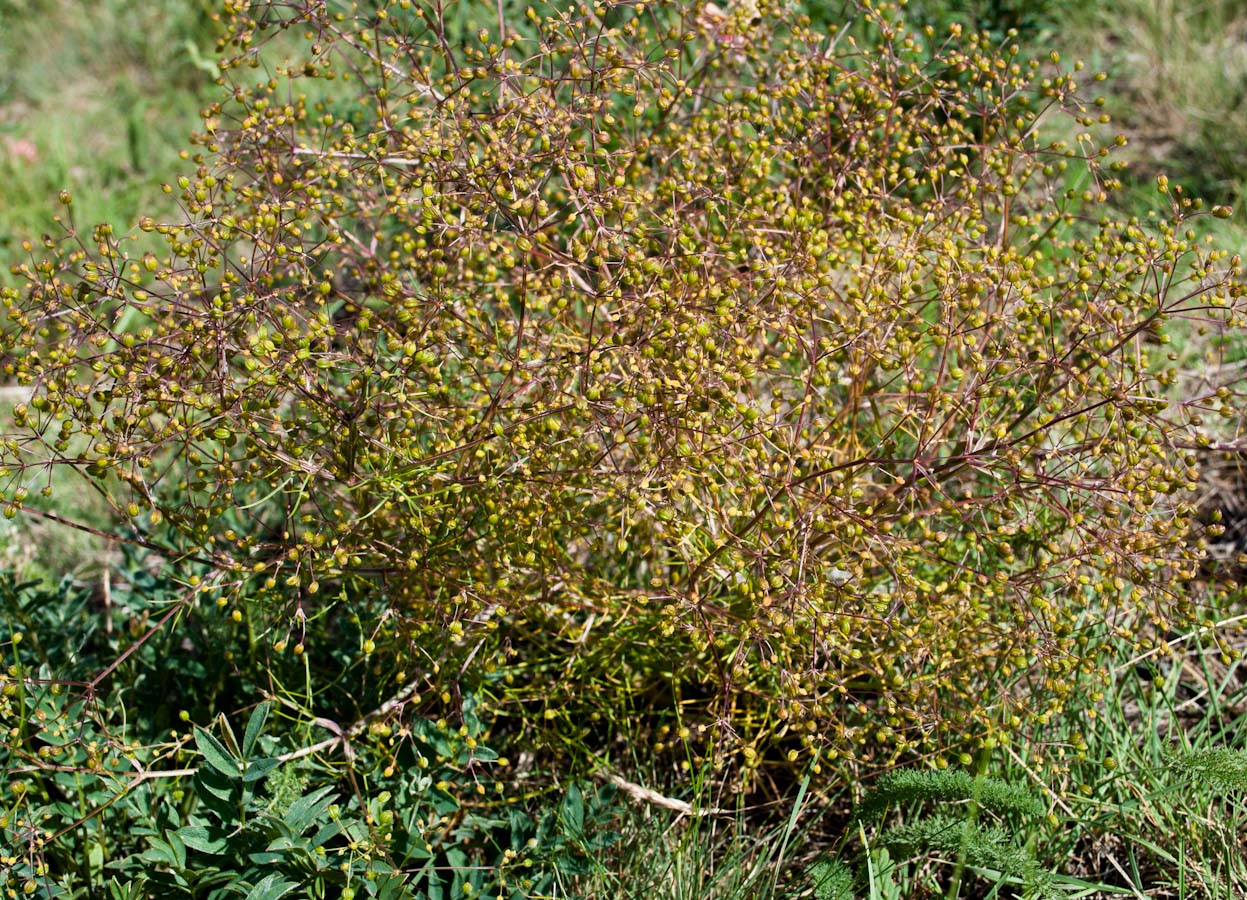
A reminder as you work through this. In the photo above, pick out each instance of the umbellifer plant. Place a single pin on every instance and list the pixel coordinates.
(659, 354)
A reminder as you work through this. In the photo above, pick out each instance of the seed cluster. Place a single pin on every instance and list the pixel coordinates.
(795, 378)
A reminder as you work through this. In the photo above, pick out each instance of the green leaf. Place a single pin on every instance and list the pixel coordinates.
(904, 786)
(1221, 768)
(433, 884)
(269, 857)
(573, 811)
(197, 837)
(325, 834)
(833, 880)
(178, 847)
(304, 811)
(158, 855)
(255, 727)
(271, 887)
(259, 768)
(521, 826)
(95, 857)
(214, 784)
(215, 755)
(391, 887)
(481, 753)
(131, 890)
(567, 864)
(228, 739)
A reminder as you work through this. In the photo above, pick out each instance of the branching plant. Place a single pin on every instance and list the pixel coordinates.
(659, 370)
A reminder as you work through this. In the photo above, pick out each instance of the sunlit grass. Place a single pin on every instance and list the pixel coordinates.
(97, 99)
(1178, 81)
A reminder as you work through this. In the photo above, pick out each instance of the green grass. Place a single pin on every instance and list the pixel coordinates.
(1130, 817)
(97, 99)
(1178, 82)
(665, 855)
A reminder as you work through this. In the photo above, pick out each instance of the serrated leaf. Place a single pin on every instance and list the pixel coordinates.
(833, 880)
(255, 727)
(215, 756)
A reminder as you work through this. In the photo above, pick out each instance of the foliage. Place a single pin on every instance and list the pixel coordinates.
(948, 832)
(713, 363)
(1026, 20)
(1180, 78)
(832, 879)
(1125, 815)
(728, 854)
(103, 107)
(103, 792)
(1221, 767)
(904, 786)
(660, 371)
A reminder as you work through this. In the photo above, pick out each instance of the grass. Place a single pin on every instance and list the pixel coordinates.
(36, 548)
(664, 855)
(102, 109)
(1130, 817)
(1196, 702)
(1125, 818)
(1178, 73)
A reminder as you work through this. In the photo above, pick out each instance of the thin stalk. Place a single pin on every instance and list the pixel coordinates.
(967, 831)
(792, 823)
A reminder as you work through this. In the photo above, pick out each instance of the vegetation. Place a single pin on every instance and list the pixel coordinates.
(1182, 74)
(506, 421)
